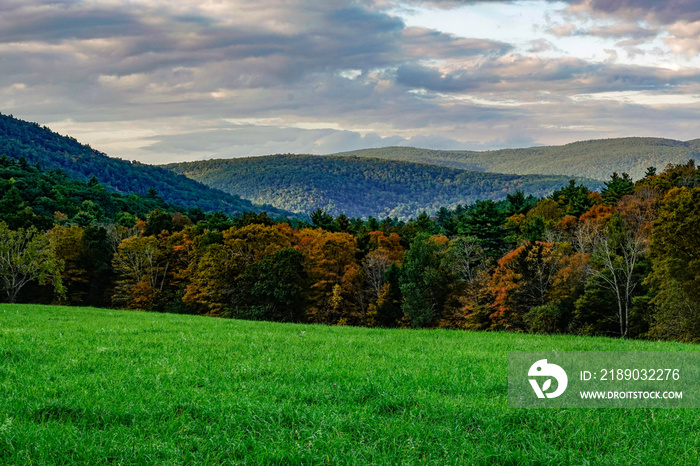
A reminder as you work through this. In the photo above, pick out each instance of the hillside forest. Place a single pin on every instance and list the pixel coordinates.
(38, 144)
(594, 159)
(360, 186)
(620, 262)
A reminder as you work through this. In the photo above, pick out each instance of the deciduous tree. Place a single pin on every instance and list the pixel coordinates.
(534, 274)
(25, 256)
(67, 243)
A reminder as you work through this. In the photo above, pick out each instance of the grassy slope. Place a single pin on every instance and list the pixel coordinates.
(595, 159)
(100, 386)
(359, 187)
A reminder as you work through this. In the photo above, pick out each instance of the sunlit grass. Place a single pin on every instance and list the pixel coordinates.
(83, 385)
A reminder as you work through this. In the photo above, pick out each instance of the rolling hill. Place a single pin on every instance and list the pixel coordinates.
(596, 159)
(39, 144)
(393, 181)
(359, 187)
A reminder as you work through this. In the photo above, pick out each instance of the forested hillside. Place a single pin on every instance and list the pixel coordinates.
(595, 159)
(52, 151)
(359, 187)
(30, 196)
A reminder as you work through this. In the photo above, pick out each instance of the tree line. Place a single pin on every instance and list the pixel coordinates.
(621, 262)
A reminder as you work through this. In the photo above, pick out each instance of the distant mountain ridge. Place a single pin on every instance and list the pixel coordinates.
(595, 159)
(393, 181)
(39, 144)
(360, 187)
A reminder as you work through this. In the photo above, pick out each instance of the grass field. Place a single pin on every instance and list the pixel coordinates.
(83, 385)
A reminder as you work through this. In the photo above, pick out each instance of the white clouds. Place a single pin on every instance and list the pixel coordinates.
(160, 80)
(684, 38)
(563, 30)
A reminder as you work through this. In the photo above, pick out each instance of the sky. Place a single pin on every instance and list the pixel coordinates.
(165, 81)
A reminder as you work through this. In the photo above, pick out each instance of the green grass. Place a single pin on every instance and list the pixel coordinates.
(83, 385)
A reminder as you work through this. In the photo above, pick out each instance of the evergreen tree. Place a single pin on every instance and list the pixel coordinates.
(575, 199)
(485, 222)
(424, 284)
(617, 187)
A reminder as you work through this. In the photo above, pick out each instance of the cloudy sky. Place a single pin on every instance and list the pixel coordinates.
(165, 80)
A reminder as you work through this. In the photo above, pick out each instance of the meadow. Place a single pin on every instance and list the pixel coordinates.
(99, 386)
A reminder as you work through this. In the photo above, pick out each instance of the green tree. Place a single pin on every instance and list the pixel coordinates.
(216, 270)
(25, 256)
(272, 289)
(617, 187)
(323, 220)
(518, 203)
(675, 257)
(574, 199)
(68, 246)
(97, 262)
(157, 220)
(343, 224)
(217, 221)
(446, 222)
(388, 305)
(424, 284)
(485, 222)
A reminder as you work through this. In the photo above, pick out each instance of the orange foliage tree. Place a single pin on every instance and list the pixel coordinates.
(534, 274)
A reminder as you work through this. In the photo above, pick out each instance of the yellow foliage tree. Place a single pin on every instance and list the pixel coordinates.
(141, 272)
(330, 262)
(67, 243)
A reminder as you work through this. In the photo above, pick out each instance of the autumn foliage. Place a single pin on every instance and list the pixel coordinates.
(622, 262)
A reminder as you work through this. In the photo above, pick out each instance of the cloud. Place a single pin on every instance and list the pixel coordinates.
(634, 20)
(160, 80)
(421, 42)
(442, 4)
(662, 12)
(684, 38)
(623, 30)
(541, 45)
(679, 19)
(563, 30)
(420, 77)
(251, 140)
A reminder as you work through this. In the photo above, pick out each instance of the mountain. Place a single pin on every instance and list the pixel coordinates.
(596, 159)
(38, 144)
(359, 187)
